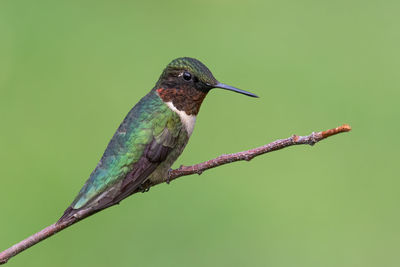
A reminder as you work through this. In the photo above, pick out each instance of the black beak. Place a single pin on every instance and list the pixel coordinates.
(231, 88)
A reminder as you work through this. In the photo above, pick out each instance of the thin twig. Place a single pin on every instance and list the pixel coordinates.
(174, 174)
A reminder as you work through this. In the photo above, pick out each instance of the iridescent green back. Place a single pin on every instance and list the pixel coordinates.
(147, 120)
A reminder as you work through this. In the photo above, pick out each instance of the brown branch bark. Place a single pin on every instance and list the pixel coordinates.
(174, 174)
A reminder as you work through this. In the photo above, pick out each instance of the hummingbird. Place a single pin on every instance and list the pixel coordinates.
(150, 138)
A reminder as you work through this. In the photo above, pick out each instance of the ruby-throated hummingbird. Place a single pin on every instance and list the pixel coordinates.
(151, 137)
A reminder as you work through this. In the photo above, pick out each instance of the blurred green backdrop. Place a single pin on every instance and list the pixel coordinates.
(71, 70)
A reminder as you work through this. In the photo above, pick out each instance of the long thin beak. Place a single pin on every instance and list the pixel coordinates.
(231, 88)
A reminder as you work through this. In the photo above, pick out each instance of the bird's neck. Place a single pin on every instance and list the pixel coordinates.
(186, 100)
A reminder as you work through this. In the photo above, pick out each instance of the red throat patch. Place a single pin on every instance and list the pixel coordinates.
(186, 100)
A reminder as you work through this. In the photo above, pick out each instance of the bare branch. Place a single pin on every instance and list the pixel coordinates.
(174, 174)
(252, 153)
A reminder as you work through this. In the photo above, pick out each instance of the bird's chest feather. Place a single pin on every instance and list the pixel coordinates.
(188, 121)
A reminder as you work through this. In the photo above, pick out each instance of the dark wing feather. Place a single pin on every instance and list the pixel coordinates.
(144, 139)
(154, 154)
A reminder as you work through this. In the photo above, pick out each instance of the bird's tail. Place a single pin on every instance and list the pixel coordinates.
(83, 212)
(68, 214)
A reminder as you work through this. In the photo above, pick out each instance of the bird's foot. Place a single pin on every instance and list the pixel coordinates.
(144, 189)
(168, 180)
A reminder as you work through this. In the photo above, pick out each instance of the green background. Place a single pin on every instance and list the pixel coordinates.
(71, 70)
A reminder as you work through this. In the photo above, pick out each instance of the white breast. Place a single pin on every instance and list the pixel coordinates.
(187, 120)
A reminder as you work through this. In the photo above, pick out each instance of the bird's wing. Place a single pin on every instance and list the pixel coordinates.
(143, 141)
(154, 154)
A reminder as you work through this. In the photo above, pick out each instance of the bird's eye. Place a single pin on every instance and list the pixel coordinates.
(187, 76)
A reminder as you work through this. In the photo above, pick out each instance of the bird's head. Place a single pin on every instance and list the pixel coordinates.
(186, 81)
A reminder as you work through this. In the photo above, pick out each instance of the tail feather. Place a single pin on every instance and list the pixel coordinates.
(68, 213)
(71, 212)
